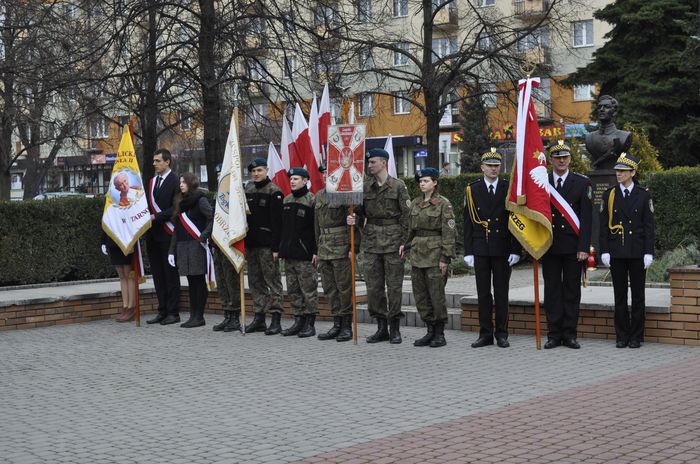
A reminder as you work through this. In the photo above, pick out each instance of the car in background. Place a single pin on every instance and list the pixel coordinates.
(54, 195)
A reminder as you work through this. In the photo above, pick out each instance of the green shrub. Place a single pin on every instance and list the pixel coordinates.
(681, 256)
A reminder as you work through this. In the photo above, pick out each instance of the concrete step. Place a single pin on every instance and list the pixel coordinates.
(412, 318)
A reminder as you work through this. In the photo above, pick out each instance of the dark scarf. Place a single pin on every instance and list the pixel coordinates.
(301, 192)
(188, 201)
(262, 183)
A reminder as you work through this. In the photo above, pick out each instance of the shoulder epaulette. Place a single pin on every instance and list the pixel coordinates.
(581, 175)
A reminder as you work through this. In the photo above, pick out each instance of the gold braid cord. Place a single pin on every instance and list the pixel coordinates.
(473, 215)
(617, 228)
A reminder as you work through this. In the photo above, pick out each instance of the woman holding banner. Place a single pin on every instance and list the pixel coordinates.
(192, 216)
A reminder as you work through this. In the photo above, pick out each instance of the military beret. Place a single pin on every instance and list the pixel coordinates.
(427, 172)
(298, 172)
(559, 150)
(626, 163)
(256, 163)
(378, 152)
(491, 157)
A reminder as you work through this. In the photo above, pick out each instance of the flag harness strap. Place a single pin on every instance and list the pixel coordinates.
(473, 215)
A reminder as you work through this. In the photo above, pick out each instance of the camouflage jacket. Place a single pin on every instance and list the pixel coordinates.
(385, 215)
(431, 231)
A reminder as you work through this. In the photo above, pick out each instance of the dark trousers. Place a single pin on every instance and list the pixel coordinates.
(629, 325)
(165, 277)
(199, 293)
(562, 294)
(487, 268)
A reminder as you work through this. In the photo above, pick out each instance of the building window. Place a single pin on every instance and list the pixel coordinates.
(583, 33)
(185, 120)
(444, 47)
(485, 43)
(257, 70)
(366, 102)
(98, 128)
(326, 15)
(539, 38)
(401, 57)
(364, 11)
(336, 109)
(489, 97)
(289, 109)
(400, 8)
(366, 59)
(290, 66)
(487, 2)
(584, 92)
(542, 98)
(256, 114)
(401, 105)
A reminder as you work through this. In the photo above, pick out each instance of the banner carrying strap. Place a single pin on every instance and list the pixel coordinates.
(195, 233)
(168, 226)
(565, 209)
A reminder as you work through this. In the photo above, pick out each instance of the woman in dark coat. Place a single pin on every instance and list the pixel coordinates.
(192, 216)
(127, 278)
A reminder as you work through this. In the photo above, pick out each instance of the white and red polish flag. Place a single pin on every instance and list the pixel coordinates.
(277, 171)
(324, 120)
(391, 165)
(314, 132)
(285, 144)
(304, 150)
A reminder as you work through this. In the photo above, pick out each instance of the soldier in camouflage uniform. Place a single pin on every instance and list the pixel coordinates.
(385, 207)
(298, 248)
(262, 248)
(431, 241)
(333, 239)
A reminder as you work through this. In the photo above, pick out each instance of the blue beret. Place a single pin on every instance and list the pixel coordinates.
(427, 172)
(298, 172)
(378, 152)
(256, 163)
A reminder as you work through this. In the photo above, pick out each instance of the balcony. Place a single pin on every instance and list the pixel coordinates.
(541, 57)
(256, 43)
(446, 18)
(531, 9)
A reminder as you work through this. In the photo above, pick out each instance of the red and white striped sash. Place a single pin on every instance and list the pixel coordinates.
(195, 233)
(565, 209)
(168, 226)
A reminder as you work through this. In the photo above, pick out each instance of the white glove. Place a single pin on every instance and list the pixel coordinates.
(605, 259)
(648, 259)
(513, 260)
(104, 250)
(171, 260)
(469, 259)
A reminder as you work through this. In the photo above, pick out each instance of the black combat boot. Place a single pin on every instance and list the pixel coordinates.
(258, 324)
(345, 329)
(220, 326)
(234, 323)
(382, 334)
(439, 337)
(190, 321)
(428, 337)
(309, 330)
(394, 333)
(299, 322)
(275, 326)
(335, 330)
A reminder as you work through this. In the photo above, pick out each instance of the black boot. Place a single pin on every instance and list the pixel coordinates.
(234, 323)
(258, 324)
(439, 337)
(382, 334)
(335, 330)
(309, 330)
(345, 329)
(394, 333)
(275, 326)
(198, 320)
(227, 317)
(190, 321)
(428, 337)
(296, 327)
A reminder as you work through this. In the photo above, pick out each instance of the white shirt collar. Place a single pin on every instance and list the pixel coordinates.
(163, 176)
(494, 183)
(556, 177)
(622, 188)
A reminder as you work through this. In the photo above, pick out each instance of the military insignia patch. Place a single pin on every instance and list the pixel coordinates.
(651, 205)
(451, 223)
(590, 192)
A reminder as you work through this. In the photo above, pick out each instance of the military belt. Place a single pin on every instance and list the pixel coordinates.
(333, 230)
(427, 233)
(382, 222)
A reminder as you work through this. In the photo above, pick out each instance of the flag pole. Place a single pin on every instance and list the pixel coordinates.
(352, 273)
(135, 258)
(242, 290)
(535, 269)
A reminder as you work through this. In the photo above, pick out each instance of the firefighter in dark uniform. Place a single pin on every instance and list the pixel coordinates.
(627, 246)
(262, 248)
(563, 263)
(490, 248)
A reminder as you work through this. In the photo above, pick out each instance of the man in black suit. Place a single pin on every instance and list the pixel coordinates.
(490, 248)
(161, 193)
(627, 246)
(563, 263)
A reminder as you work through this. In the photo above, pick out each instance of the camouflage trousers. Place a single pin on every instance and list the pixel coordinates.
(264, 280)
(429, 293)
(227, 282)
(302, 286)
(336, 278)
(380, 269)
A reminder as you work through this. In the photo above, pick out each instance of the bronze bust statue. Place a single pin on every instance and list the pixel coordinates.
(607, 142)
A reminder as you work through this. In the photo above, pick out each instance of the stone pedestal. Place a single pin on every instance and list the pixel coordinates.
(602, 179)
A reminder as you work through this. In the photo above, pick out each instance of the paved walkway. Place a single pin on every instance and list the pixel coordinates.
(103, 392)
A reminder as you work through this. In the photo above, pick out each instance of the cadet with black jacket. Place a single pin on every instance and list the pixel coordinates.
(262, 248)
(627, 246)
(490, 249)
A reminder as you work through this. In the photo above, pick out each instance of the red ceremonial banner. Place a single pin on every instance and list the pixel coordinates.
(346, 158)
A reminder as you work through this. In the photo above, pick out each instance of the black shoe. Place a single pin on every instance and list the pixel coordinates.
(309, 330)
(275, 326)
(394, 333)
(482, 341)
(345, 334)
(188, 323)
(439, 337)
(571, 343)
(158, 319)
(502, 342)
(552, 343)
(170, 319)
(220, 326)
(199, 322)
(381, 335)
(427, 338)
(296, 327)
(257, 325)
(621, 344)
(634, 344)
(234, 323)
(334, 331)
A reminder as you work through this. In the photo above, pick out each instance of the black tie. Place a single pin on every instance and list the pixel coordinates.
(559, 184)
(491, 191)
(158, 180)
(627, 194)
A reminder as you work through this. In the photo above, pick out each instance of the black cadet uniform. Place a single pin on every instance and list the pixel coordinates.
(627, 234)
(561, 269)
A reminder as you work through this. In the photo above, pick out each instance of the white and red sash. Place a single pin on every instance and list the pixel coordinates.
(565, 209)
(168, 226)
(195, 233)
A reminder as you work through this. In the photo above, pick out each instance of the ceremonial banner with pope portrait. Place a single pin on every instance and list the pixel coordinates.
(346, 163)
